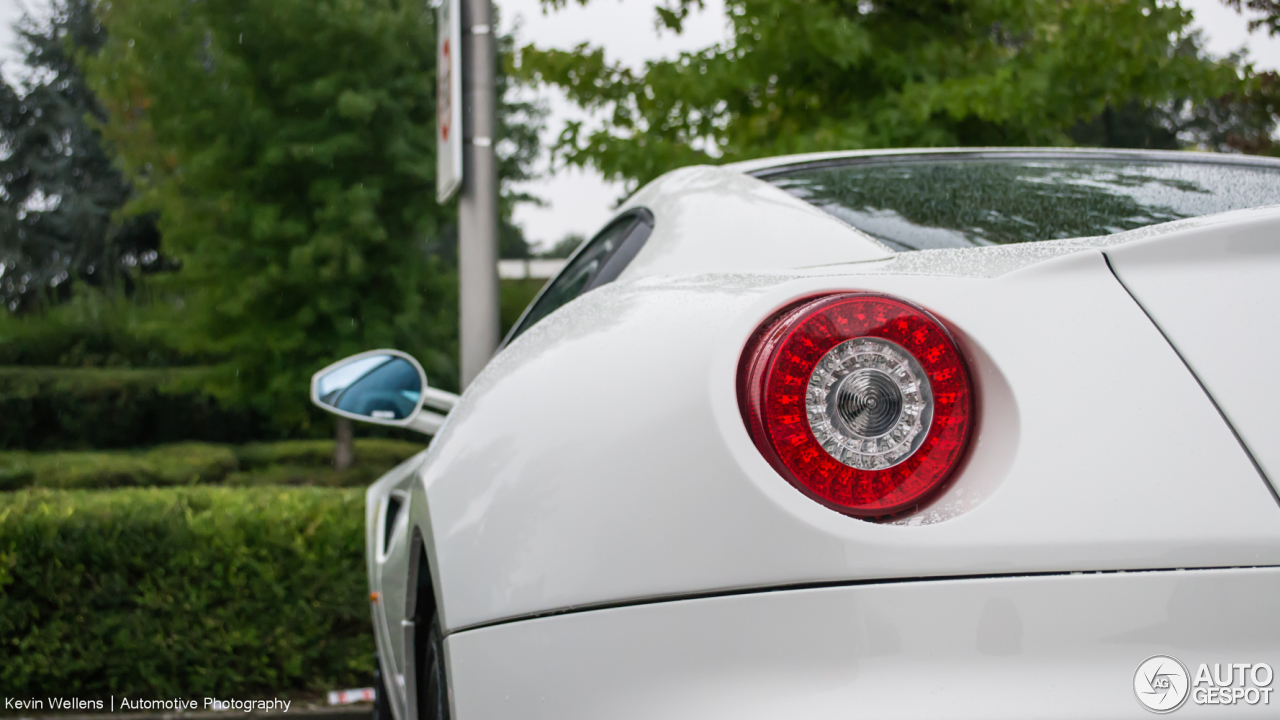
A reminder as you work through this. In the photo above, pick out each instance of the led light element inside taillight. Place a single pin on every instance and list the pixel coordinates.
(861, 401)
(869, 403)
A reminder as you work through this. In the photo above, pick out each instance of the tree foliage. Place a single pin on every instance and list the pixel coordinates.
(1268, 9)
(289, 147)
(564, 247)
(1245, 120)
(815, 75)
(59, 191)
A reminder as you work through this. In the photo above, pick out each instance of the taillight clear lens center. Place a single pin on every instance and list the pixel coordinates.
(869, 403)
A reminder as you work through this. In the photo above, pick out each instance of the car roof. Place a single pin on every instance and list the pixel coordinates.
(786, 163)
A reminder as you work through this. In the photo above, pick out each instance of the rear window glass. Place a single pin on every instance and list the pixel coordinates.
(922, 204)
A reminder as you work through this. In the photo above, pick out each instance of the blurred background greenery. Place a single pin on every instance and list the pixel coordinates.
(247, 187)
(203, 203)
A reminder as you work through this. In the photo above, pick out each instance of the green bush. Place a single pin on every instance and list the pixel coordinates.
(177, 464)
(513, 297)
(90, 330)
(354, 476)
(296, 462)
(182, 592)
(44, 408)
(378, 452)
(308, 462)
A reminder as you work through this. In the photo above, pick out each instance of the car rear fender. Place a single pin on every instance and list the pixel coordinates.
(601, 458)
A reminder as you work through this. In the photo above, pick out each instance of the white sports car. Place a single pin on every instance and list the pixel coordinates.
(910, 434)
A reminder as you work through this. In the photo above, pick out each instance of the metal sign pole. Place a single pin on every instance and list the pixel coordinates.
(478, 206)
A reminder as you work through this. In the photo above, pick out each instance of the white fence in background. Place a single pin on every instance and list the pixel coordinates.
(521, 269)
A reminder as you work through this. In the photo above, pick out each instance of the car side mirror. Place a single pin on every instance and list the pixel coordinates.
(384, 387)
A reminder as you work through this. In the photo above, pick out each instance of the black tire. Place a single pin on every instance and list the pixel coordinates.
(433, 685)
(381, 703)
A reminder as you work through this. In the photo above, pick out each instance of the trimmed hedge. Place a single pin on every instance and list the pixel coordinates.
(182, 592)
(380, 452)
(308, 462)
(180, 464)
(295, 462)
(45, 408)
(92, 329)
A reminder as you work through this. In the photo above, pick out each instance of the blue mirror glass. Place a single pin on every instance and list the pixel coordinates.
(380, 387)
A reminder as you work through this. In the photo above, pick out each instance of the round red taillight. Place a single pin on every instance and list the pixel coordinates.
(861, 401)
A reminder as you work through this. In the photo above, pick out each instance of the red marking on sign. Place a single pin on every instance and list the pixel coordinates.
(445, 90)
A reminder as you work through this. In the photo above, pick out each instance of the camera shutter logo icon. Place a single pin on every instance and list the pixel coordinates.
(1161, 684)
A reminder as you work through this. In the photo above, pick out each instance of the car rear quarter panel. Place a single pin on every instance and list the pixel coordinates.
(602, 458)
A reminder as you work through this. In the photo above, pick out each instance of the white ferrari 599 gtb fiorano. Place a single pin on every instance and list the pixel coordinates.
(926, 434)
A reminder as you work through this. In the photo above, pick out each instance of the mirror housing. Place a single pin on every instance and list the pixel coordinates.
(383, 387)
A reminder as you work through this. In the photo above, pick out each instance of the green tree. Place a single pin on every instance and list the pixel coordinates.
(1268, 9)
(564, 247)
(59, 191)
(1244, 120)
(814, 75)
(290, 149)
(1240, 119)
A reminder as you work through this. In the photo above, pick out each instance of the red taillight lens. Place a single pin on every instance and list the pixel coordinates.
(861, 401)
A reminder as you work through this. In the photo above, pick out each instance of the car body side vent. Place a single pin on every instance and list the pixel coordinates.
(394, 503)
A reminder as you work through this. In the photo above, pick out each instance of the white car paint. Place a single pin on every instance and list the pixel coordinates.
(711, 219)
(648, 484)
(575, 512)
(601, 460)
(1063, 646)
(1215, 292)
(388, 564)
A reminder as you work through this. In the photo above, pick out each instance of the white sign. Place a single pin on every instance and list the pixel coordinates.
(448, 99)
